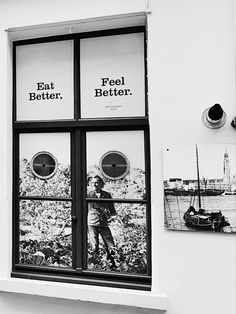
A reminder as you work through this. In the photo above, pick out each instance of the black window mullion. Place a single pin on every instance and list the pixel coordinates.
(73, 195)
(76, 79)
(45, 198)
(90, 124)
(83, 199)
(80, 194)
(14, 84)
(117, 200)
(15, 216)
(15, 174)
(76, 221)
(148, 197)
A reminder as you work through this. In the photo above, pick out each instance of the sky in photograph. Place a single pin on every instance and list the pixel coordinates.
(180, 161)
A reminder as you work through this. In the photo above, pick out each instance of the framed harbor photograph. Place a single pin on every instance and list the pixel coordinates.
(200, 187)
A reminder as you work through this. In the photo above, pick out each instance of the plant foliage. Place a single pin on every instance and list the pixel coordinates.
(45, 226)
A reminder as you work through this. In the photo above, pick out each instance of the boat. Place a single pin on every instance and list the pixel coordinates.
(202, 219)
(211, 192)
(229, 193)
(214, 221)
(178, 192)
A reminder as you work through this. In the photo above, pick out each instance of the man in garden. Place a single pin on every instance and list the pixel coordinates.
(99, 215)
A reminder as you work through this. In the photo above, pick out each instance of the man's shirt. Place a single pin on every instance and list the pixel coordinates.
(99, 212)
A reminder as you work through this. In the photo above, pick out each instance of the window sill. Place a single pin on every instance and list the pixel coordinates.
(104, 295)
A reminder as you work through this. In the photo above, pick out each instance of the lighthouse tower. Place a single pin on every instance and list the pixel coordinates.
(226, 169)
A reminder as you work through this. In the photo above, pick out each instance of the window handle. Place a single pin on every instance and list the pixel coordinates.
(74, 219)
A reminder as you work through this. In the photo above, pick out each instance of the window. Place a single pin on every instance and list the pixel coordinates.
(81, 172)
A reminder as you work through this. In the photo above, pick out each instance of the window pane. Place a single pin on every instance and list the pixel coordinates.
(44, 81)
(112, 76)
(118, 158)
(45, 164)
(45, 233)
(117, 242)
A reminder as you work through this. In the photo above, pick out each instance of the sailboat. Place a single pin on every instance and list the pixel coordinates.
(201, 219)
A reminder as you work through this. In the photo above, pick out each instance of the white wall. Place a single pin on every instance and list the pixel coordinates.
(11, 303)
(190, 67)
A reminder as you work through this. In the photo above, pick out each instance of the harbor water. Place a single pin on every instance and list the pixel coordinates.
(176, 206)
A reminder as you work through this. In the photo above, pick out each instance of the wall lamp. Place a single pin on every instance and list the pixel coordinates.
(233, 123)
(214, 117)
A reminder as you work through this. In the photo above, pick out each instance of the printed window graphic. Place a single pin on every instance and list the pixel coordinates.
(45, 233)
(112, 76)
(117, 231)
(44, 81)
(45, 225)
(114, 165)
(44, 165)
(43, 173)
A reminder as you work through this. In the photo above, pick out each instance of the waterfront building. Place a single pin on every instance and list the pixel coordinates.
(226, 169)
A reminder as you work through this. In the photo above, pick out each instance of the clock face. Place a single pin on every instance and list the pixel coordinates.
(114, 165)
(43, 165)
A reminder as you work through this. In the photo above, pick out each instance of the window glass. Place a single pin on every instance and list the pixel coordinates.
(112, 76)
(45, 233)
(130, 146)
(45, 164)
(81, 210)
(116, 230)
(44, 81)
(118, 241)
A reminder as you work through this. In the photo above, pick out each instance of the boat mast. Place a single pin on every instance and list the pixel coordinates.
(198, 180)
